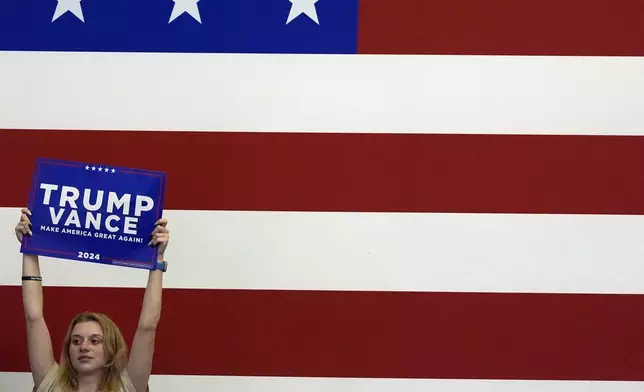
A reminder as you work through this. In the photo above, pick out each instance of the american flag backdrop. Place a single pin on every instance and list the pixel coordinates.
(364, 195)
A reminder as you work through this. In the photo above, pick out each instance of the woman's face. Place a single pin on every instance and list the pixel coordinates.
(86, 347)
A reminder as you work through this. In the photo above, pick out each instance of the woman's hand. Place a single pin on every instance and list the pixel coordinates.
(160, 236)
(23, 227)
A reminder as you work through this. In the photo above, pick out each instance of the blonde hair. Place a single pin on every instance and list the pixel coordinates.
(115, 350)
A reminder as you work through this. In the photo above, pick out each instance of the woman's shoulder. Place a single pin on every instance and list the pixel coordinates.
(128, 386)
(48, 383)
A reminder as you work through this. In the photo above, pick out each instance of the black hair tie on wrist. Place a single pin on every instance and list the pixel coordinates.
(39, 278)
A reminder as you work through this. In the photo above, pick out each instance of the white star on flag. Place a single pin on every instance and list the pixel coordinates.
(185, 6)
(73, 6)
(299, 7)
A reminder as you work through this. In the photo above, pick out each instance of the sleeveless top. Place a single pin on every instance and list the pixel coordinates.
(48, 383)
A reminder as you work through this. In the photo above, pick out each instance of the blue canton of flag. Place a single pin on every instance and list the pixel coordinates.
(199, 26)
(94, 213)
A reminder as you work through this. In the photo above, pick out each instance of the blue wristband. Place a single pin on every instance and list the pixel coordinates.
(161, 265)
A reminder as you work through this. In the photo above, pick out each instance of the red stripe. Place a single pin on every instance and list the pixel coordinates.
(541, 27)
(355, 172)
(363, 334)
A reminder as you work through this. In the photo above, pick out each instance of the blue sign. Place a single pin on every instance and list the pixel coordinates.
(94, 213)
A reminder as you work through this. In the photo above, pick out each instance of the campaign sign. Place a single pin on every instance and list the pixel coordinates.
(94, 213)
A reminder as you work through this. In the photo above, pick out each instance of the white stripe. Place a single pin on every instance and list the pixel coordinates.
(162, 383)
(303, 93)
(352, 251)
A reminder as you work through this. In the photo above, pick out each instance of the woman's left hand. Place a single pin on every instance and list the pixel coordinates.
(160, 236)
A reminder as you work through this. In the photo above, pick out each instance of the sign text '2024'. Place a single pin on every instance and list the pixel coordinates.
(89, 256)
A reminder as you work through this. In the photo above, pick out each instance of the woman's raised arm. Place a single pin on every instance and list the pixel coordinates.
(140, 361)
(41, 355)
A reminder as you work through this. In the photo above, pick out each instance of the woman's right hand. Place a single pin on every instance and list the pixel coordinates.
(24, 226)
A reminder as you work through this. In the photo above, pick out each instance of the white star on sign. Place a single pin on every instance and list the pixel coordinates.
(299, 7)
(185, 6)
(73, 6)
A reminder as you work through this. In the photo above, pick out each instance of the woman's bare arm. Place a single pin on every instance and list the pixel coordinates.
(41, 355)
(140, 361)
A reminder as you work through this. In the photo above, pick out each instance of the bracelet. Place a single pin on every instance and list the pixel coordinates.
(161, 265)
(38, 278)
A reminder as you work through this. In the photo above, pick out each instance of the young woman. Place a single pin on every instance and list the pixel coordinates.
(94, 356)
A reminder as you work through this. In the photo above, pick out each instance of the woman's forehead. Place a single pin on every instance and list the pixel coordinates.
(87, 328)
